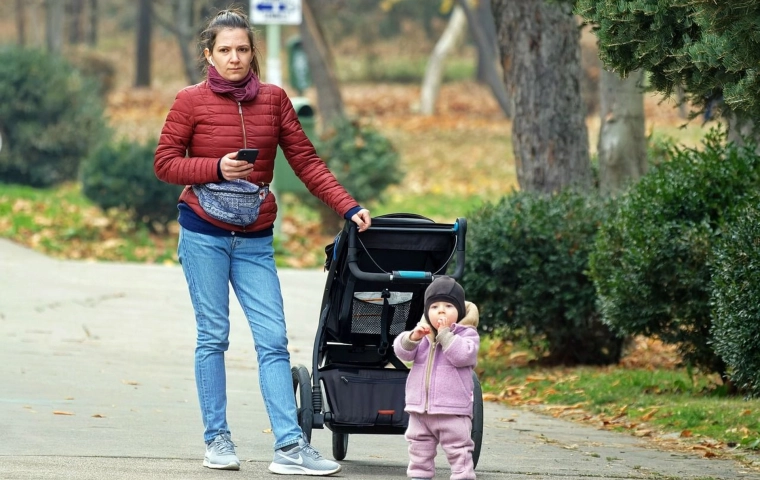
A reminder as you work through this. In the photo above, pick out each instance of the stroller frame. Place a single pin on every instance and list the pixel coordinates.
(371, 297)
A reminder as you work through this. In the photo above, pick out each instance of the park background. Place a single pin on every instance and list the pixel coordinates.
(454, 160)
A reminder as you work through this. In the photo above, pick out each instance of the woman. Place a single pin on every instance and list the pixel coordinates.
(206, 126)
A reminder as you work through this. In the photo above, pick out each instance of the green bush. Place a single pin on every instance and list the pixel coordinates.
(526, 270)
(736, 300)
(51, 117)
(651, 263)
(361, 158)
(364, 162)
(121, 175)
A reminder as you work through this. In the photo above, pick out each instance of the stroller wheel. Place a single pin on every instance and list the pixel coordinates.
(477, 419)
(340, 445)
(302, 391)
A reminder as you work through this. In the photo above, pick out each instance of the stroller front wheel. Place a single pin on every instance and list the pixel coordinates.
(302, 392)
(340, 445)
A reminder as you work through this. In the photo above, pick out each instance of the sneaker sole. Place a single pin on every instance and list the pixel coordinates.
(215, 466)
(296, 470)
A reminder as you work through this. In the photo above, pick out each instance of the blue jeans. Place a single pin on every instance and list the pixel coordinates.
(211, 264)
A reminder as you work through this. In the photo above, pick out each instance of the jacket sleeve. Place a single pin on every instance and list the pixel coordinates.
(307, 165)
(460, 345)
(405, 354)
(170, 162)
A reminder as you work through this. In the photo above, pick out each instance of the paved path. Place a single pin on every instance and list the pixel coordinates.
(96, 381)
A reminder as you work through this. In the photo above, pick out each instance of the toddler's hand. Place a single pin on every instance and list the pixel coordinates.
(444, 322)
(418, 333)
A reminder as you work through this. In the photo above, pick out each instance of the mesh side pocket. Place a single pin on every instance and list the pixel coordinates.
(368, 308)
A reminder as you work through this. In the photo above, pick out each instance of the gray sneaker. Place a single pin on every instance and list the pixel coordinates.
(220, 454)
(302, 460)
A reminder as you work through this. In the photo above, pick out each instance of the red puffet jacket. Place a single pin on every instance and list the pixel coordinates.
(202, 127)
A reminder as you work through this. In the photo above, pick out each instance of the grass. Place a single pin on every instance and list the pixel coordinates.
(62, 223)
(672, 405)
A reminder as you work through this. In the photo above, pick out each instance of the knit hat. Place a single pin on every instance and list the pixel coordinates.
(448, 290)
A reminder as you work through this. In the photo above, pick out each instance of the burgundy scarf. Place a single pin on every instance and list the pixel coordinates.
(242, 91)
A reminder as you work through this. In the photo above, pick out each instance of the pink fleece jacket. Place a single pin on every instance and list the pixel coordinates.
(440, 381)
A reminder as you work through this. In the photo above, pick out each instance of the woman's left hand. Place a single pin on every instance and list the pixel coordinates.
(362, 219)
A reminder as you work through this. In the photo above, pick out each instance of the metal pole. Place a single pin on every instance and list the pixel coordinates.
(274, 65)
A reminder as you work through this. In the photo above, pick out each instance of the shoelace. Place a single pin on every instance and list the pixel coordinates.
(224, 444)
(310, 451)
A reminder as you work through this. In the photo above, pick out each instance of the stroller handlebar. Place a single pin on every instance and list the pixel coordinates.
(459, 229)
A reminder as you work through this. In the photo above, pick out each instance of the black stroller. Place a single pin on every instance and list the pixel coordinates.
(374, 291)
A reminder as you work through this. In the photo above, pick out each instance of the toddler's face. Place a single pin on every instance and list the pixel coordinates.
(442, 314)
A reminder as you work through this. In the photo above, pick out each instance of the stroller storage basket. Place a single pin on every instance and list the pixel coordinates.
(368, 308)
(365, 397)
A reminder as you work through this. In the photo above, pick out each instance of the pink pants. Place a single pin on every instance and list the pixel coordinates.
(452, 432)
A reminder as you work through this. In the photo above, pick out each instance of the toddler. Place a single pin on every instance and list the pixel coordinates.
(439, 389)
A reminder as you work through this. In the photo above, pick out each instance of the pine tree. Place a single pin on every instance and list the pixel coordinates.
(711, 49)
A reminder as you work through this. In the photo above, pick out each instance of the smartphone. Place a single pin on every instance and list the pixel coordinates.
(248, 154)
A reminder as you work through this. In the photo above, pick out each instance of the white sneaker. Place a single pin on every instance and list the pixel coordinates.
(302, 460)
(220, 454)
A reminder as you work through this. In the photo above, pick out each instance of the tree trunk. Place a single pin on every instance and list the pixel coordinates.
(329, 100)
(74, 11)
(540, 55)
(484, 23)
(21, 22)
(622, 138)
(142, 55)
(92, 32)
(54, 25)
(487, 66)
(740, 129)
(185, 32)
(431, 83)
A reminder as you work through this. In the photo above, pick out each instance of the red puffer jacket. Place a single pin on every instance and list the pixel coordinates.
(202, 127)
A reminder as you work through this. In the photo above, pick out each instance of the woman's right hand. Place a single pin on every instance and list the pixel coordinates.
(233, 169)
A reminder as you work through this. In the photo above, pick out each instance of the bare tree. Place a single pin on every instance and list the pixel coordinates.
(483, 18)
(142, 53)
(21, 22)
(322, 67)
(183, 26)
(92, 31)
(487, 71)
(54, 25)
(540, 55)
(431, 82)
(622, 140)
(74, 12)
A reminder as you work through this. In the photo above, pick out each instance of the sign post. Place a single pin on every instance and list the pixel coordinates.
(274, 13)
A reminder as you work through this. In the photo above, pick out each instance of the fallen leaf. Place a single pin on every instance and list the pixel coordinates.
(267, 430)
(98, 415)
(61, 412)
(130, 382)
(647, 416)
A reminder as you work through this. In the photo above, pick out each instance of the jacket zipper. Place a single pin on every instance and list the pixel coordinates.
(242, 124)
(245, 139)
(428, 371)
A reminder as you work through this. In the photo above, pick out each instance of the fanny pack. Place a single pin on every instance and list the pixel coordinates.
(232, 201)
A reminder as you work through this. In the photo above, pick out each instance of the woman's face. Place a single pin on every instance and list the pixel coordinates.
(232, 54)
